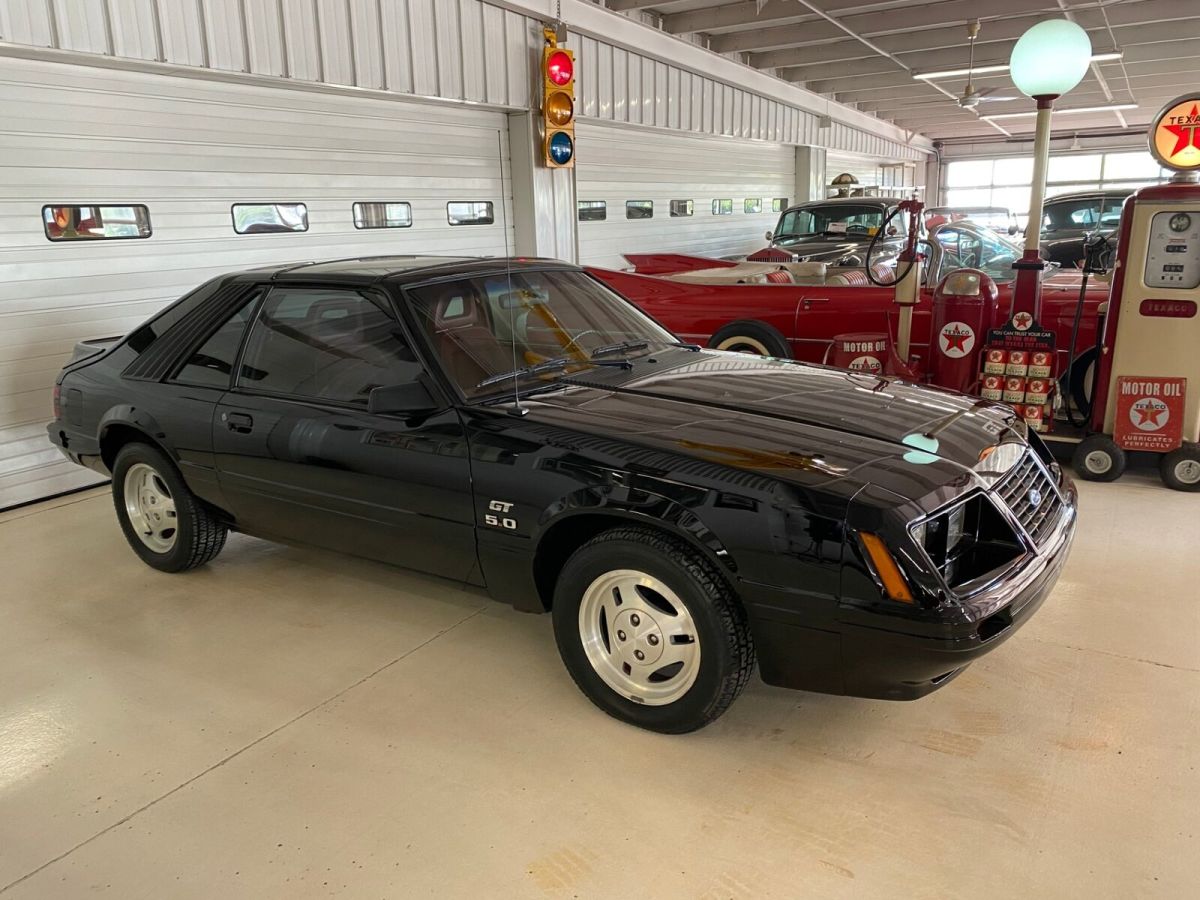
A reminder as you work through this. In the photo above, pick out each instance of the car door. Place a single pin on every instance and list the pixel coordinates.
(300, 457)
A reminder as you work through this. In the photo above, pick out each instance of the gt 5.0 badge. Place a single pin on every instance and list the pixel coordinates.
(501, 521)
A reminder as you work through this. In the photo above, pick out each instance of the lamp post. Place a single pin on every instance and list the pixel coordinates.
(1049, 60)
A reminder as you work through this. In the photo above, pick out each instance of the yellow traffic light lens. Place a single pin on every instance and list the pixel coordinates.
(559, 108)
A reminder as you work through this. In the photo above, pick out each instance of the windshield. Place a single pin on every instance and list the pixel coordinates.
(493, 329)
(964, 246)
(836, 218)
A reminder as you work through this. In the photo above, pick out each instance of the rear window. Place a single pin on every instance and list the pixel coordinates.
(66, 222)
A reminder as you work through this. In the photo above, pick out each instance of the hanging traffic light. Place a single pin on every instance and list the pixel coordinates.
(558, 104)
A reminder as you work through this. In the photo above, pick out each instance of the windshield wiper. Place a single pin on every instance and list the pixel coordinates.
(622, 347)
(550, 365)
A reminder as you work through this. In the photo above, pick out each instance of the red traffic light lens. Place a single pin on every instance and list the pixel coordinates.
(559, 68)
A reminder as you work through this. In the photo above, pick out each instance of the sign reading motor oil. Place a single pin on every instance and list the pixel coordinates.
(1149, 412)
(1175, 134)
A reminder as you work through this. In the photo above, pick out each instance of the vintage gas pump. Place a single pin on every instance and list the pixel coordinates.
(1147, 395)
(907, 282)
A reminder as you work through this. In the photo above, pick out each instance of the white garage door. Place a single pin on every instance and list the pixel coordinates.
(189, 150)
(619, 166)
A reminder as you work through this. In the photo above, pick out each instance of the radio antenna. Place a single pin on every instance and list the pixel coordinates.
(518, 409)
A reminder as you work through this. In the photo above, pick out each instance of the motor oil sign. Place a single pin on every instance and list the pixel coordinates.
(1149, 412)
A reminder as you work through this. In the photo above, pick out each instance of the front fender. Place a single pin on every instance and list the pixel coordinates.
(522, 570)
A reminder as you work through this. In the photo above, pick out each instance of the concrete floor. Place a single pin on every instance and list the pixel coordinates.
(286, 723)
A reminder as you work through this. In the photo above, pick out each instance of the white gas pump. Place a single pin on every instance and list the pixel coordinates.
(1147, 383)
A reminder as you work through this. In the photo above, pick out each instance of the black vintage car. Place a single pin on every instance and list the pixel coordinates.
(836, 231)
(683, 513)
(1069, 220)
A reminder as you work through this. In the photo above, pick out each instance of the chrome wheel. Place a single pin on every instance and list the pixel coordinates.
(150, 508)
(639, 637)
(1098, 462)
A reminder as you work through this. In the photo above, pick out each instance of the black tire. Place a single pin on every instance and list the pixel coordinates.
(1180, 469)
(1076, 379)
(198, 535)
(1098, 458)
(751, 337)
(726, 650)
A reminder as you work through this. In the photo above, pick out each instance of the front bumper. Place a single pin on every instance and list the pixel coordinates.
(886, 658)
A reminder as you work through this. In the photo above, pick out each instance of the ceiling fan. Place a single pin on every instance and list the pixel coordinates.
(972, 97)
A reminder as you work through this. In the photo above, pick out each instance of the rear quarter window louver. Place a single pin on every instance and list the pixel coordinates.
(158, 358)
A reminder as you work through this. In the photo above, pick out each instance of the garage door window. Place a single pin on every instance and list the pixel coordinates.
(324, 345)
(593, 210)
(382, 215)
(96, 223)
(753, 205)
(779, 204)
(269, 218)
(470, 213)
(639, 209)
(722, 207)
(682, 208)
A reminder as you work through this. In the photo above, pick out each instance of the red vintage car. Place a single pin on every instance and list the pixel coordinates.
(794, 310)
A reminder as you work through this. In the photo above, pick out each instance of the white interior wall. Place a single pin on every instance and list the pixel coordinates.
(618, 164)
(188, 149)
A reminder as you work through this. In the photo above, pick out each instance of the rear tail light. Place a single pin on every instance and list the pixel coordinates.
(57, 401)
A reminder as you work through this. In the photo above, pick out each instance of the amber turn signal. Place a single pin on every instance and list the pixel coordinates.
(885, 566)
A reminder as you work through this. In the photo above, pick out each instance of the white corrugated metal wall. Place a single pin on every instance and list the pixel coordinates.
(676, 167)
(177, 103)
(188, 149)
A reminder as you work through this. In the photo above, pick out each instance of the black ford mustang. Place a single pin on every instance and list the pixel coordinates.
(683, 513)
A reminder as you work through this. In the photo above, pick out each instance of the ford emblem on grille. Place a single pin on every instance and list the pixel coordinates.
(1035, 498)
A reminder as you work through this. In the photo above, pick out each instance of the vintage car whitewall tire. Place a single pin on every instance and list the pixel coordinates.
(165, 525)
(751, 337)
(650, 631)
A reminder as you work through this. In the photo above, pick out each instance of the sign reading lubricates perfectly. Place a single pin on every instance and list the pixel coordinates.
(1175, 134)
(1149, 412)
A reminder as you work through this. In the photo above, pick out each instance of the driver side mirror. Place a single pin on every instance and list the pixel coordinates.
(769, 235)
(1012, 229)
(413, 398)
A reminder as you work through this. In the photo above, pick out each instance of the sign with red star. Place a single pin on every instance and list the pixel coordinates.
(1175, 134)
(1149, 412)
(1022, 321)
(956, 339)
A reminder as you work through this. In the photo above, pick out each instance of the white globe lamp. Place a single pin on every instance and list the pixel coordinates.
(1050, 59)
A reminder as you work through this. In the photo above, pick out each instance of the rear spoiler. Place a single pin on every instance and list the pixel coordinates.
(89, 350)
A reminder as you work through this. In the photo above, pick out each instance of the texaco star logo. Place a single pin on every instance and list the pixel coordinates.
(866, 364)
(1022, 321)
(1185, 130)
(956, 339)
(1149, 414)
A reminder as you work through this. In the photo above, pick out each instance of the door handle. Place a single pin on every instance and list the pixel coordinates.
(809, 301)
(239, 423)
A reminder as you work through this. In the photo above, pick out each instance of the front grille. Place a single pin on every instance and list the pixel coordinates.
(1026, 482)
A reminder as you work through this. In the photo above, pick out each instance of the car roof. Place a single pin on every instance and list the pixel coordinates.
(397, 269)
(1084, 195)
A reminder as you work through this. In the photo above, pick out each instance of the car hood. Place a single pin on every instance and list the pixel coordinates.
(808, 425)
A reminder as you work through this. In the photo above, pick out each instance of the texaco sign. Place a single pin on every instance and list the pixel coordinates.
(1175, 134)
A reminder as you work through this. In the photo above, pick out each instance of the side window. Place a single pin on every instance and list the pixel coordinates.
(334, 345)
(211, 364)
